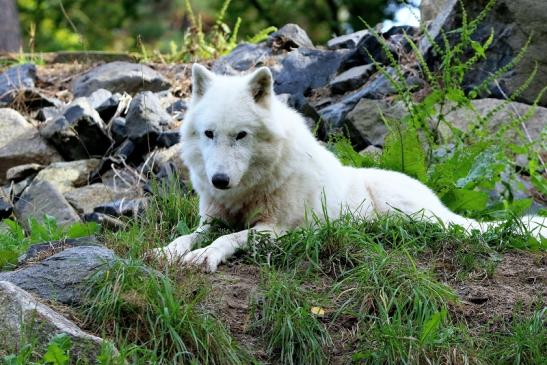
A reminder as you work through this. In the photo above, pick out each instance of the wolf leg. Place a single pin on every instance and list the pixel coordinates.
(224, 247)
(180, 245)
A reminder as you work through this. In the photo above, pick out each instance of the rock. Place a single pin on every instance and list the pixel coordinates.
(22, 316)
(14, 80)
(63, 276)
(178, 106)
(105, 221)
(68, 175)
(118, 130)
(512, 23)
(242, 58)
(348, 41)
(21, 172)
(462, 118)
(365, 123)
(168, 139)
(351, 79)
(5, 208)
(430, 8)
(79, 133)
(86, 198)
(21, 143)
(119, 77)
(145, 117)
(123, 207)
(305, 69)
(377, 87)
(43, 198)
(166, 162)
(105, 103)
(368, 50)
(47, 113)
(288, 37)
(371, 151)
(39, 251)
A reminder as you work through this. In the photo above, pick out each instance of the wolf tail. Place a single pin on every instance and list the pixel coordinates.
(536, 225)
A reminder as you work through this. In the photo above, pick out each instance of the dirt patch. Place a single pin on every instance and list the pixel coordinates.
(233, 289)
(519, 284)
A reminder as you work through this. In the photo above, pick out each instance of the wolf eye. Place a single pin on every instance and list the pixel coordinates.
(241, 135)
(209, 134)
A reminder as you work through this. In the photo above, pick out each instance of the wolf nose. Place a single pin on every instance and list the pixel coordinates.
(221, 181)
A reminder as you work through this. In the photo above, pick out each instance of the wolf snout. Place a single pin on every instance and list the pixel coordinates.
(221, 181)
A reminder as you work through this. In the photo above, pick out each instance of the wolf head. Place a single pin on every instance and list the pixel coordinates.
(230, 133)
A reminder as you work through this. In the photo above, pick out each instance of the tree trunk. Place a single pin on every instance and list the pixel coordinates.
(10, 30)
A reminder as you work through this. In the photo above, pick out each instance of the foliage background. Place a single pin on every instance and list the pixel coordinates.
(53, 25)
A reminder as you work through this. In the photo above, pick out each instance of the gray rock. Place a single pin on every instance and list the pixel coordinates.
(512, 22)
(462, 118)
(78, 133)
(106, 221)
(5, 208)
(40, 251)
(86, 198)
(22, 317)
(63, 276)
(68, 175)
(145, 117)
(168, 139)
(377, 87)
(305, 69)
(119, 77)
(15, 79)
(123, 207)
(21, 172)
(47, 113)
(242, 58)
(365, 123)
(288, 37)
(347, 40)
(43, 198)
(351, 79)
(117, 129)
(21, 143)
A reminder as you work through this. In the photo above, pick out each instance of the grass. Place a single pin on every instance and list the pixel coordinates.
(347, 289)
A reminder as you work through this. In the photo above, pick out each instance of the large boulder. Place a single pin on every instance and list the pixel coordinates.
(119, 77)
(512, 22)
(22, 318)
(79, 132)
(42, 198)
(21, 143)
(64, 276)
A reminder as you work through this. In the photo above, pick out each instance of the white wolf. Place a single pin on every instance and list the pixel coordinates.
(253, 161)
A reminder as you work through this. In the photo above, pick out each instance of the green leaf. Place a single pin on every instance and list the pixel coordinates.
(403, 152)
(57, 350)
(459, 200)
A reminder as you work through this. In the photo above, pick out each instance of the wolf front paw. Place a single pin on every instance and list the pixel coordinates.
(208, 258)
(172, 251)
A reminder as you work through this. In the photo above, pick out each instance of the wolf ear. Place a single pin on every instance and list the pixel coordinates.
(201, 79)
(261, 85)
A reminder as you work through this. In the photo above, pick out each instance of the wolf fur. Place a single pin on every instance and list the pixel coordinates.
(269, 170)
